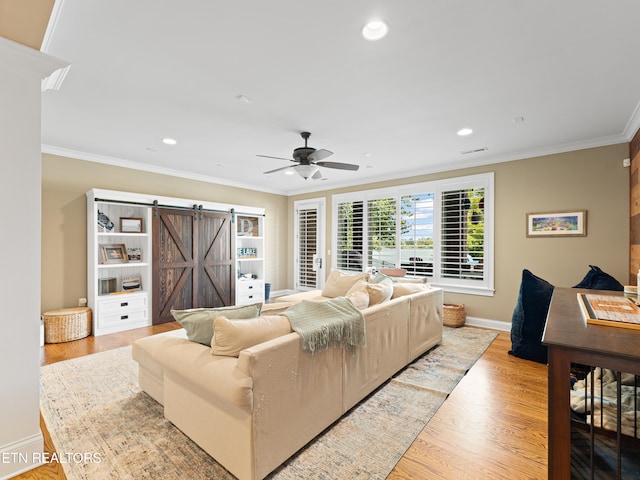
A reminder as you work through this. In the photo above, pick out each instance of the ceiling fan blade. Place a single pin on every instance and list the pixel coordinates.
(278, 169)
(338, 165)
(319, 155)
(317, 175)
(277, 158)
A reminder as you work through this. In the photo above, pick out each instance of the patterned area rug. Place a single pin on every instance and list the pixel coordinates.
(105, 427)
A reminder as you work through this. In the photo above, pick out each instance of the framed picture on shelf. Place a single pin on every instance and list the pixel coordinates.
(557, 224)
(131, 283)
(134, 254)
(113, 253)
(130, 225)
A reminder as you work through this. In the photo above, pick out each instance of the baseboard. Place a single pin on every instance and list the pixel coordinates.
(280, 293)
(21, 456)
(488, 323)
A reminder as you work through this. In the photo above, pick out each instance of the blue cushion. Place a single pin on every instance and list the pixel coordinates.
(529, 318)
(596, 279)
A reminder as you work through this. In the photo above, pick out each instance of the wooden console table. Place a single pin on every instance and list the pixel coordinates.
(570, 340)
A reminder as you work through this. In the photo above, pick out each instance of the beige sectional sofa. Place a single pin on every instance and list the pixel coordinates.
(251, 413)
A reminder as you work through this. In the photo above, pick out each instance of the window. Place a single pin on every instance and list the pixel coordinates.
(440, 230)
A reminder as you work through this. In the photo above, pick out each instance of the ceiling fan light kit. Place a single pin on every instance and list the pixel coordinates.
(309, 161)
(306, 171)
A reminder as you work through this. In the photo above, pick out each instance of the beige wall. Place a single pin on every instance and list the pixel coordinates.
(64, 239)
(592, 180)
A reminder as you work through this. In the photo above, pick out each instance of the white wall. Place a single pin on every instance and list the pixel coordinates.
(21, 70)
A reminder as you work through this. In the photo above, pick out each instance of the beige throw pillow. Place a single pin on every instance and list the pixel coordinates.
(338, 283)
(232, 336)
(380, 292)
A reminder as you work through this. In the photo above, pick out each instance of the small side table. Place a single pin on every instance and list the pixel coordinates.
(66, 324)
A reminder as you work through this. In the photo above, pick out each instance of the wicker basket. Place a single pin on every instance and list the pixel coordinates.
(453, 315)
(66, 324)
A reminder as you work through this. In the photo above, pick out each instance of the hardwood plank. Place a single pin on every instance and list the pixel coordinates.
(493, 425)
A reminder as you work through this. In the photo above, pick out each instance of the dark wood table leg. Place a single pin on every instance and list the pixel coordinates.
(559, 414)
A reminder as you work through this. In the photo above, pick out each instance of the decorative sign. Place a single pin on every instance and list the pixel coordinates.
(248, 226)
(248, 252)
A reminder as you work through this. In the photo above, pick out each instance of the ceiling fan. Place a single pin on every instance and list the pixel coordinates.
(309, 160)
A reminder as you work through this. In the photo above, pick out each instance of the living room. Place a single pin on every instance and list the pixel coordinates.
(590, 176)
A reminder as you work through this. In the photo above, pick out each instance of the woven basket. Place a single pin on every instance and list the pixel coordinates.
(453, 315)
(66, 324)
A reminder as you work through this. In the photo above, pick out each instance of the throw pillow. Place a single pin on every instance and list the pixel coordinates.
(529, 318)
(401, 289)
(358, 294)
(338, 283)
(233, 336)
(380, 292)
(198, 322)
(596, 279)
(379, 277)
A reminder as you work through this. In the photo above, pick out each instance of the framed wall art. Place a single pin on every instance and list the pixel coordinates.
(557, 224)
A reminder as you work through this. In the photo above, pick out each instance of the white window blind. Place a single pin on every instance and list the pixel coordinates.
(307, 247)
(441, 230)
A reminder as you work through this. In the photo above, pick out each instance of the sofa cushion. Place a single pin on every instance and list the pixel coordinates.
(198, 322)
(232, 336)
(529, 318)
(380, 292)
(400, 289)
(338, 283)
(596, 279)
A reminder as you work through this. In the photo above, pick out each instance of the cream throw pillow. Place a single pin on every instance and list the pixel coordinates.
(401, 289)
(338, 283)
(232, 336)
(380, 292)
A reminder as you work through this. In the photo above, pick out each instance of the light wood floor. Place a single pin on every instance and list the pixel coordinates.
(492, 426)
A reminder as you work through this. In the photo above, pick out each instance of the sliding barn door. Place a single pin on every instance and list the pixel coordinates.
(192, 261)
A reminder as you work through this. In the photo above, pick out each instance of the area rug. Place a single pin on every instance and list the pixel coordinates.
(104, 427)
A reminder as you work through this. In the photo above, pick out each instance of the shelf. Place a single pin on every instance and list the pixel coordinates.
(121, 234)
(122, 265)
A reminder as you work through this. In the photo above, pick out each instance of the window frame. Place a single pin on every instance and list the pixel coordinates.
(484, 287)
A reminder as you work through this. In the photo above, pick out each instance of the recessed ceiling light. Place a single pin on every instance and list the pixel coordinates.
(289, 172)
(243, 98)
(463, 132)
(375, 30)
(169, 141)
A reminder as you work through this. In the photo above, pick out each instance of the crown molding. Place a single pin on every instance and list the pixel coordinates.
(145, 167)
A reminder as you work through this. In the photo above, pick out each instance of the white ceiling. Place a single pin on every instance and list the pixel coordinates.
(144, 70)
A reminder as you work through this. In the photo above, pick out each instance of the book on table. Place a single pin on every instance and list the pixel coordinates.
(610, 310)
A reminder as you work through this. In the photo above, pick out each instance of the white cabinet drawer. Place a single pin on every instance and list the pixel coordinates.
(249, 286)
(249, 291)
(123, 304)
(250, 298)
(109, 320)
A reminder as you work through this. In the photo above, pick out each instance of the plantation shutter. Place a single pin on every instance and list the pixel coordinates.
(462, 234)
(307, 247)
(382, 232)
(417, 234)
(350, 236)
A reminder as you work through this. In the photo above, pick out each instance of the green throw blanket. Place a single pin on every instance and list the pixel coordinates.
(332, 322)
